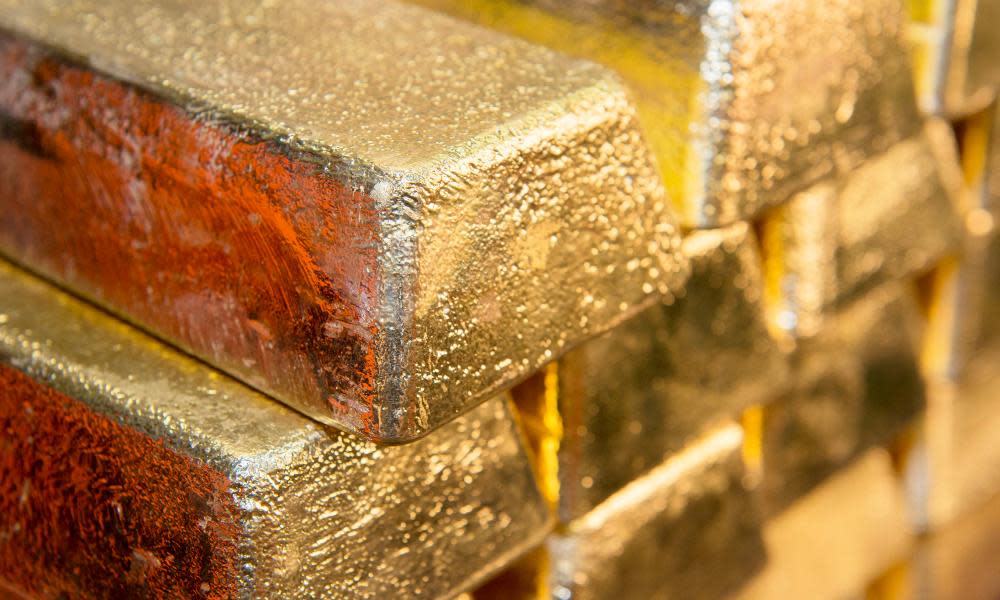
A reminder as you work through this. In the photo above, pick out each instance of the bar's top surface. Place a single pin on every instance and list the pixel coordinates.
(326, 74)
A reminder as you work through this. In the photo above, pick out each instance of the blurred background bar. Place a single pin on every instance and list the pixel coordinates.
(895, 217)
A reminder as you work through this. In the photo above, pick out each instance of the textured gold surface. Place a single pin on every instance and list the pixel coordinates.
(891, 218)
(322, 512)
(743, 103)
(518, 208)
(833, 542)
(687, 529)
(641, 391)
(854, 386)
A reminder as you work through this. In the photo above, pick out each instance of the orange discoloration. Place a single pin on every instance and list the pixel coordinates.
(93, 509)
(237, 249)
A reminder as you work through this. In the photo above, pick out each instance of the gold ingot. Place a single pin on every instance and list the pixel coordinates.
(831, 543)
(619, 403)
(954, 466)
(743, 103)
(892, 218)
(955, 54)
(964, 292)
(128, 467)
(686, 529)
(376, 214)
(958, 562)
(855, 386)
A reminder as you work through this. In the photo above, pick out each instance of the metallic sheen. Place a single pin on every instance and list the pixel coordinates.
(319, 511)
(378, 215)
(687, 529)
(744, 103)
(856, 385)
(893, 217)
(830, 544)
(956, 54)
(643, 390)
(955, 465)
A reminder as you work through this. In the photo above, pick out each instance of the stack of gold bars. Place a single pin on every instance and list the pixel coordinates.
(687, 299)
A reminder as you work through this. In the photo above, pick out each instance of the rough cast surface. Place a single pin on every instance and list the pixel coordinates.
(276, 504)
(640, 392)
(743, 103)
(381, 235)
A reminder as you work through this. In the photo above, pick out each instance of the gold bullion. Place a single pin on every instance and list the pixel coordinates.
(955, 54)
(894, 217)
(686, 529)
(955, 464)
(834, 541)
(856, 385)
(374, 213)
(637, 393)
(312, 511)
(743, 103)
(963, 291)
(959, 561)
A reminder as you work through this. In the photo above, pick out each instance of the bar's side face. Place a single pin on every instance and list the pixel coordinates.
(859, 513)
(91, 507)
(269, 501)
(877, 241)
(655, 537)
(982, 75)
(530, 246)
(425, 519)
(633, 395)
(253, 258)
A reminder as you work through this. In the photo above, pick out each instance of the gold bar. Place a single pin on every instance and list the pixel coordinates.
(960, 562)
(964, 292)
(130, 468)
(956, 54)
(686, 529)
(629, 398)
(893, 218)
(834, 541)
(954, 466)
(743, 103)
(376, 214)
(855, 386)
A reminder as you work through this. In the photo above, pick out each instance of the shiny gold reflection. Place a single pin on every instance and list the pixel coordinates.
(616, 406)
(892, 218)
(317, 511)
(742, 103)
(856, 385)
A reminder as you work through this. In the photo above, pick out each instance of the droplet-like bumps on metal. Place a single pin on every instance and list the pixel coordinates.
(378, 215)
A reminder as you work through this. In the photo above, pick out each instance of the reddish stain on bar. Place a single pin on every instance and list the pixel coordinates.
(90, 508)
(204, 232)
